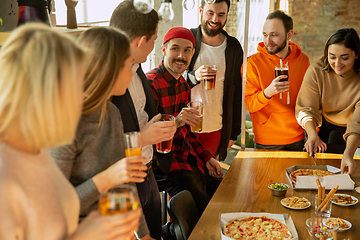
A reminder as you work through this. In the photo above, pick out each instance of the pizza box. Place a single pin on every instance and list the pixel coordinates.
(284, 218)
(308, 182)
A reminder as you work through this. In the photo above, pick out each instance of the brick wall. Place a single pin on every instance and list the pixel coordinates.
(316, 20)
(231, 26)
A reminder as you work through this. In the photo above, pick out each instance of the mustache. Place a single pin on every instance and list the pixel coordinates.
(179, 60)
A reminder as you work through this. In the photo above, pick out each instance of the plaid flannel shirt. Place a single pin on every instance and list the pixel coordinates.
(171, 95)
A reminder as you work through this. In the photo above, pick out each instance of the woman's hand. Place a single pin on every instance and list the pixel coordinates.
(123, 171)
(349, 163)
(311, 144)
(321, 147)
(119, 226)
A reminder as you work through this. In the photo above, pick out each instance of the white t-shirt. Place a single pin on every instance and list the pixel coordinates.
(212, 99)
(138, 96)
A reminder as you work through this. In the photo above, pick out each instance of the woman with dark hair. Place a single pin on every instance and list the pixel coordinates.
(329, 98)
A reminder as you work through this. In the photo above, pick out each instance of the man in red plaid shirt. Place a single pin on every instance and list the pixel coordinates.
(172, 93)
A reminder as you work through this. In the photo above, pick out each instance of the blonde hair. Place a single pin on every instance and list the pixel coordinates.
(40, 83)
(107, 50)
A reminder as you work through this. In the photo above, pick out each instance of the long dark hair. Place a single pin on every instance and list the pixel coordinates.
(350, 39)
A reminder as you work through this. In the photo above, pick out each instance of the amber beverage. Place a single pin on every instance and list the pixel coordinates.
(165, 146)
(197, 106)
(132, 144)
(117, 200)
(132, 152)
(210, 83)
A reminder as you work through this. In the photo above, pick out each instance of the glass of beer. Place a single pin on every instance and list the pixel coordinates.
(132, 144)
(282, 70)
(198, 106)
(118, 199)
(210, 83)
(165, 146)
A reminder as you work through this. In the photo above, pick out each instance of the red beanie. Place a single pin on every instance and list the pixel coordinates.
(179, 32)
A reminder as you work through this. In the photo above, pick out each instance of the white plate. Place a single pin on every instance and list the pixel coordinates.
(293, 207)
(344, 229)
(357, 189)
(342, 204)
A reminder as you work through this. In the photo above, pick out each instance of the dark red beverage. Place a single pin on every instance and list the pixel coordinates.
(164, 147)
(282, 71)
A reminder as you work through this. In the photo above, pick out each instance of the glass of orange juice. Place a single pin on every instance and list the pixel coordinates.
(132, 144)
(118, 199)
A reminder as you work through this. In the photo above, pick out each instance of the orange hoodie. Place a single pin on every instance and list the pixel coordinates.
(274, 121)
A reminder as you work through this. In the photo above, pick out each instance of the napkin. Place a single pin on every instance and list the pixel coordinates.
(309, 182)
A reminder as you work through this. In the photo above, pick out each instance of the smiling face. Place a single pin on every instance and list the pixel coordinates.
(177, 55)
(213, 18)
(275, 37)
(341, 59)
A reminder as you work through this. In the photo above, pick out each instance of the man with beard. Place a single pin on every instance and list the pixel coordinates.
(172, 94)
(222, 105)
(273, 116)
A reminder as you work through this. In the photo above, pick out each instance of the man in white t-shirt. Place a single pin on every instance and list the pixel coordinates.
(222, 105)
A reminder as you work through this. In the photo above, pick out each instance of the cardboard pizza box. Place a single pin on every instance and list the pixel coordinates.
(308, 182)
(284, 218)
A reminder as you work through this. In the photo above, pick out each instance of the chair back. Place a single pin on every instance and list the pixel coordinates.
(183, 213)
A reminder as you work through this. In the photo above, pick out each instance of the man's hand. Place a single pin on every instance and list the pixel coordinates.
(187, 116)
(276, 86)
(204, 72)
(156, 131)
(214, 168)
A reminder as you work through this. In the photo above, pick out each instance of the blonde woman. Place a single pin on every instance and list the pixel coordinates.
(41, 85)
(96, 161)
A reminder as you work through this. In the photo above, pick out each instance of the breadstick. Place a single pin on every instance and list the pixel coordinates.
(323, 192)
(328, 198)
(334, 235)
(319, 192)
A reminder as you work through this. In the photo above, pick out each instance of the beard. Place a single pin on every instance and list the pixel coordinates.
(277, 49)
(211, 32)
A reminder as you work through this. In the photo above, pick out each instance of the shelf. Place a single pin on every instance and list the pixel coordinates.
(74, 32)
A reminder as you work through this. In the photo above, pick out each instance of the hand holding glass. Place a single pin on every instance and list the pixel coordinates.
(165, 146)
(210, 82)
(197, 106)
(118, 199)
(283, 70)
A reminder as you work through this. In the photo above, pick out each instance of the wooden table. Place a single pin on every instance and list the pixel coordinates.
(245, 189)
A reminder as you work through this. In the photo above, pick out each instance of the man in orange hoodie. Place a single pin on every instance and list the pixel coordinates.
(266, 98)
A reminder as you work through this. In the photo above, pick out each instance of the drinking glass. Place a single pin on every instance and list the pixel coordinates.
(197, 106)
(283, 70)
(165, 146)
(118, 199)
(210, 83)
(132, 144)
(327, 212)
